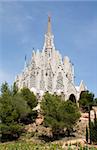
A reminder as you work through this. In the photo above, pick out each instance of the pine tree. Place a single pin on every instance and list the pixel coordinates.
(59, 114)
(14, 89)
(86, 99)
(5, 90)
(12, 109)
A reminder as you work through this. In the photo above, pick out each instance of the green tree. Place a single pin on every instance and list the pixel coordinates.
(52, 116)
(29, 97)
(86, 100)
(32, 102)
(95, 101)
(94, 129)
(94, 132)
(59, 114)
(14, 89)
(72, 115)
(12, 109)
(21, 107)
(5, 89)
(90, 125)
(87, 134)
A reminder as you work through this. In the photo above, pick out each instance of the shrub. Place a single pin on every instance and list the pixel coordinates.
(11, 131)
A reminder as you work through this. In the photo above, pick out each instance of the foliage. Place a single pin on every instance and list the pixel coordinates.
(5, 89)
(59, 114)
(30, 146)
(86, 100)
(72, 115)
(29, 97)
(90, 131)
(13, 108)
(11, 131)
(94, 130)
(14, 89)
(87, 134)
(50, 108)
(95, 101)
(23, 145)
(32, 102)
(13, 111)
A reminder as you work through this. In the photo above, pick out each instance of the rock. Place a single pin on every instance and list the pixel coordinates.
(39, 120)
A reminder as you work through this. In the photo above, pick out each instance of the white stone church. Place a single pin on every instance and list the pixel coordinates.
(48, 72)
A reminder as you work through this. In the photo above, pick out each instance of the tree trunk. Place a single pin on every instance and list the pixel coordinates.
(68, 132)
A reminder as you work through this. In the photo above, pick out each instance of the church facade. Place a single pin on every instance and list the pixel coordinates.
(47, 71)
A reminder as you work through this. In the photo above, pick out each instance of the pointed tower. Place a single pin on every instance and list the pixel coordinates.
(82, 87)
(49, 25)
(48, 43)
(25, 64)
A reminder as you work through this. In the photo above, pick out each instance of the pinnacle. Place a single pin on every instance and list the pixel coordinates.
(49, 25)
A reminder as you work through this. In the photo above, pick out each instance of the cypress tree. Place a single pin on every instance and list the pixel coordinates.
(93, 129)
(95, 118)
(90, 126)
(86, 133)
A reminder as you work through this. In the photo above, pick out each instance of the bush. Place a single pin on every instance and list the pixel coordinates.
(11, 131)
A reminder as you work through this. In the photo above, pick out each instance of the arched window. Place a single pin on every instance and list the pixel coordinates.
(72, 98)
(82, 94)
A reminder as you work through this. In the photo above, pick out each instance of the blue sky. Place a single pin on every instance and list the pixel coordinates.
(74, 25)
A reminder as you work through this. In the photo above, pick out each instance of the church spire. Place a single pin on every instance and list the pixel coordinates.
(49, 25)
(49, 43)
(25, 64)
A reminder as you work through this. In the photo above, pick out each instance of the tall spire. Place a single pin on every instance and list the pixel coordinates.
(25, 65)
(49, 25)
(49, 43)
